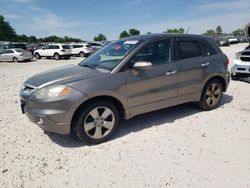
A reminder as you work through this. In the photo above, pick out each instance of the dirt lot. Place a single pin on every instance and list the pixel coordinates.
(180, 146)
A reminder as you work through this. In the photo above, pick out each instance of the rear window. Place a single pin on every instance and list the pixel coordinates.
(189, 49)
(20, 51)
(66, 46)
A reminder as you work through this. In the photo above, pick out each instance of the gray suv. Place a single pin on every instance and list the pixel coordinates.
(128, 77)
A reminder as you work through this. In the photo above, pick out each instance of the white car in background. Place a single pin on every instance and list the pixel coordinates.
(54, 50)
(241, 64)
(82, 50)
(232, 40)
(15, 55)
(95, 45)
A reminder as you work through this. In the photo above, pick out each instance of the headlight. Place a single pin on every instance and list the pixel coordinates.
(237, 55)
(52, 92)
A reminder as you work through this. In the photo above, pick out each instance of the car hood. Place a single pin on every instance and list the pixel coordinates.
(62, 75)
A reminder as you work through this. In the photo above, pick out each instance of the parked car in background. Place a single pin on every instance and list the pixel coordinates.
(57, 51)
(82, 50)
(221, 40)
(241, 64)
(15, 55)
(232, 39)
(126, 78)
(242, 39)
(11, 45)
(95, 45)
(32, 47)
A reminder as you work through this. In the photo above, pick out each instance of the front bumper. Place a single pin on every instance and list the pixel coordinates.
(53, 115)
(239, 66)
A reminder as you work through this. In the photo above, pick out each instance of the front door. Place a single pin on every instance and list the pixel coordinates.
(155, 88)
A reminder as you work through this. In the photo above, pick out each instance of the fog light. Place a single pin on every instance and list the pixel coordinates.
(40, 121)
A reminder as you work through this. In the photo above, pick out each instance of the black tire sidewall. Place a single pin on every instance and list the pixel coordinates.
(79, 129)
(15, 60)
(202, 102)
(82, 54)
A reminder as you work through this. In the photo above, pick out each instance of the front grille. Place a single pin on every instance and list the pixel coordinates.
(245, 58)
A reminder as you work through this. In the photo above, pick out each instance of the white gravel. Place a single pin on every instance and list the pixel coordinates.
(180, 146)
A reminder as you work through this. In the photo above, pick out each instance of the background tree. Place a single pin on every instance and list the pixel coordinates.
(238, 32)
(209, 32)
(101, 37)
(133, 32)
(7, 33)
(124, 34)
(218, 29)
(175, 30)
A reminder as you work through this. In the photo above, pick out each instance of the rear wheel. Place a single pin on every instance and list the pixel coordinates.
(37, 56)
(211, 95)
(56, 56)
(82, 54)
(15, 60)
(97, 122)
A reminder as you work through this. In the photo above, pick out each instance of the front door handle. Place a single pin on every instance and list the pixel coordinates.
(205, 64)
(171, 72)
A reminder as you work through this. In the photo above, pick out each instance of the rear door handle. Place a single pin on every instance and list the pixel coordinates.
(171, 72)
(205, 64)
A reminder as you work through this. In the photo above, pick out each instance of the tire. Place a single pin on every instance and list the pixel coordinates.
(56, 56)
(15, 60)
(37, 56)
(234, 77)
(211, 95)
(82, 54)
(90, 125)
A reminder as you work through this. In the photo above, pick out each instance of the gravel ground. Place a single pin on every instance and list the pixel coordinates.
(180, 146)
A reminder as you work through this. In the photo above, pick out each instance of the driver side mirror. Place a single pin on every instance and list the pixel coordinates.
(142, 66)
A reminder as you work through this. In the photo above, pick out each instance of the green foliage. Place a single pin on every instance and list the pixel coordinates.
(218, 29)
(131, 32)
(175, 30)
(124, 34)
(209, 32)
(101, 37)
(6, 31)
(238, 32)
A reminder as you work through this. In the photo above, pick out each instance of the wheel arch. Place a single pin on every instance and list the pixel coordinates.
(112, 99)
(221, 79)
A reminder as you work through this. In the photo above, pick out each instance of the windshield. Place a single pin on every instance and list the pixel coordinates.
(110, 56)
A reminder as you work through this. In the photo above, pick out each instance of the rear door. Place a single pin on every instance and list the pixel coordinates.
(192, 65)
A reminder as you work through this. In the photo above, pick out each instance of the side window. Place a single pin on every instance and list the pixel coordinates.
(157, 53)
(9, 52)
(209, 48)
(46, 47)
(189, 49)
(56, 47)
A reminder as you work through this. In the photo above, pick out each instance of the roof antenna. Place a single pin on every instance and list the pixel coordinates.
(187, 30)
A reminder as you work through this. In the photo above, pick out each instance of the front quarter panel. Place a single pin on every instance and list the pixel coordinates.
(109, 84)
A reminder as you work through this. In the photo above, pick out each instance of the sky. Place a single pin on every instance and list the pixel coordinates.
(87, 18)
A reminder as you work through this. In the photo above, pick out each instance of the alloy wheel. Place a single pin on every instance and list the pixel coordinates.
(213, 94)
(99, 122)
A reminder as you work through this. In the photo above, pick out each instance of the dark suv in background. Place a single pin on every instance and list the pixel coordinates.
(128, 77)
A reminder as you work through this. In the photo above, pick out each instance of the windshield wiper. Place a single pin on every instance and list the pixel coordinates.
(86, 65)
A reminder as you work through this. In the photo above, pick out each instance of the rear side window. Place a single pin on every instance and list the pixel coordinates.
(66, 46)
(189, 49)
(209, 48)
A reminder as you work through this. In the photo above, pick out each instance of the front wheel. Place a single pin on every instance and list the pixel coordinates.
(37, 56)
(97, 122)
(82, 54)
(211, 95)
(15, 60)
(56, 56)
